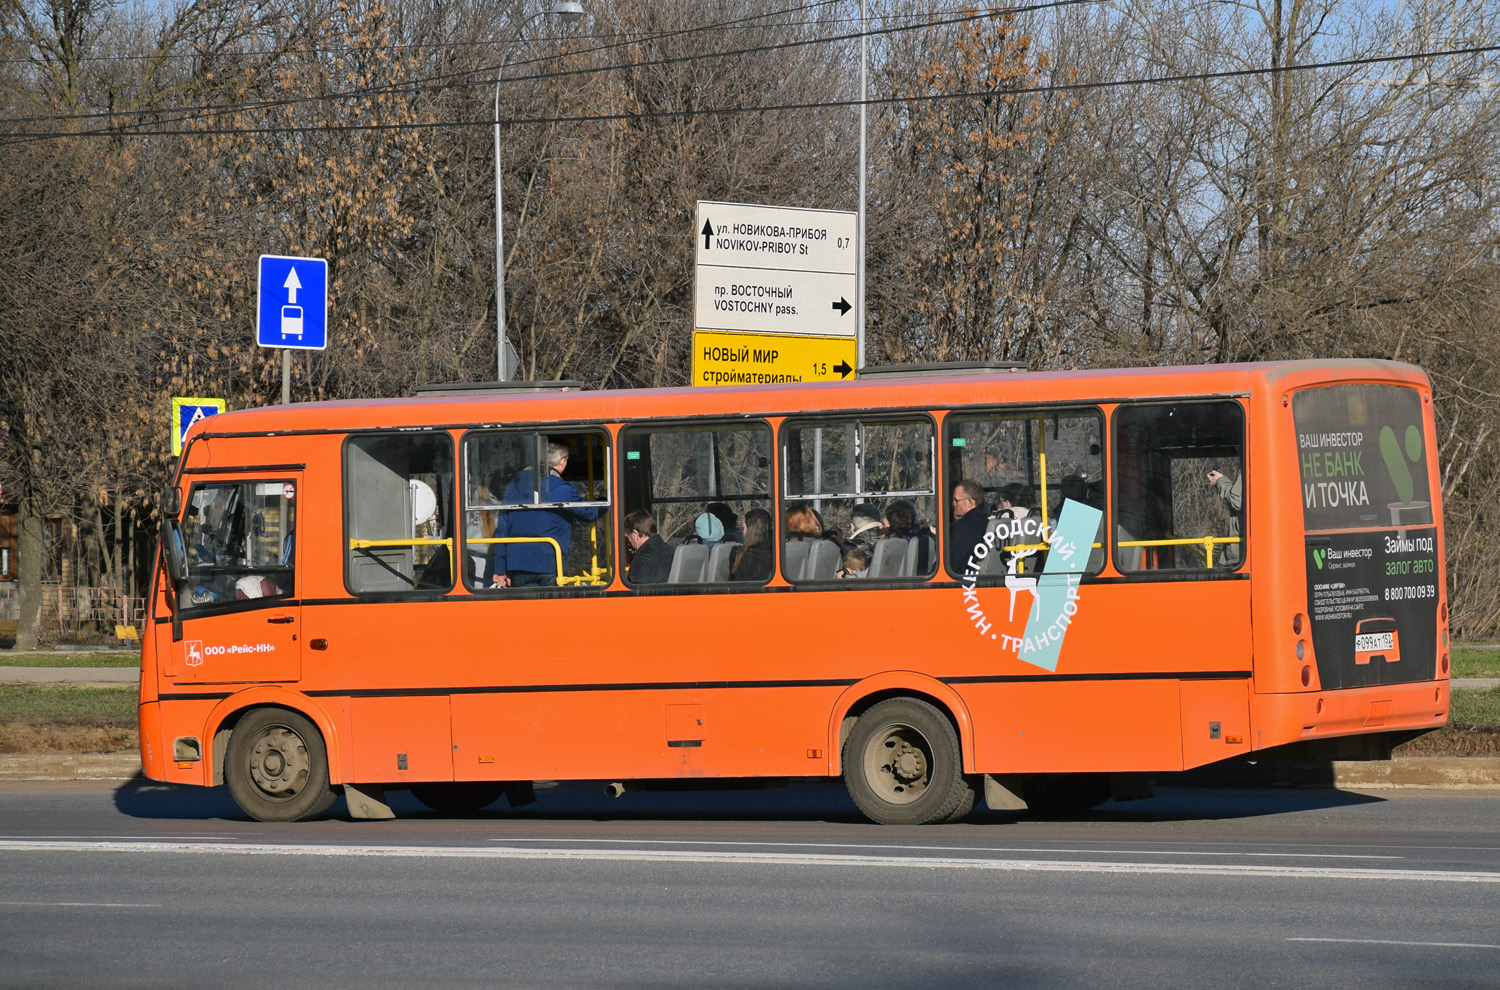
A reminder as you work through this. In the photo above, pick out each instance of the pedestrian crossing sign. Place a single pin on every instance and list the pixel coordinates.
(186, 412)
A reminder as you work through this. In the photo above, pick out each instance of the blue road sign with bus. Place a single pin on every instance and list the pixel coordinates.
(292, 303)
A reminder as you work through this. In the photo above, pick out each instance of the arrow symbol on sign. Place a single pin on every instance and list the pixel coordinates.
(843, 369)
(842, 306)
(707, 232)
(291, 285)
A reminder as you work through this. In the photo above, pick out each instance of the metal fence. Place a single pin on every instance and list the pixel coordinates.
(71, 611)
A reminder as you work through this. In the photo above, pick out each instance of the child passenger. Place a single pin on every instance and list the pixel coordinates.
(856, 563)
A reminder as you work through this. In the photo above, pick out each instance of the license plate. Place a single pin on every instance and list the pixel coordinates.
(1374, 642)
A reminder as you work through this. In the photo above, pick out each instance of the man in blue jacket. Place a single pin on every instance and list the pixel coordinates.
(518, 565)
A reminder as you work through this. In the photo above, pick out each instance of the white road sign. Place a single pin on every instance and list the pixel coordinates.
(780, 237)
(776, 269)
(758, 301)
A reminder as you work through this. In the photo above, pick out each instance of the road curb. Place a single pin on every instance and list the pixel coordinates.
(69, 766)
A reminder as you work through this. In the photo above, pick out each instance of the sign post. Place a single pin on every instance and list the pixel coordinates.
(776, 294)
(291, 309)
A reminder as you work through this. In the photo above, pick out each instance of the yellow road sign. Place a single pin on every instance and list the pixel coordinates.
(760, 359)
(185, 412)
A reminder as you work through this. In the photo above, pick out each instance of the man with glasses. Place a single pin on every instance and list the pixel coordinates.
(969, 521)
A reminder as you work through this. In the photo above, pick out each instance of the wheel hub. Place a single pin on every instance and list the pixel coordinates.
(279, 762)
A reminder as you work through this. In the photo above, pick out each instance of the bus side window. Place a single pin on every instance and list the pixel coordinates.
(698, 483)
(1180, 486)
(398, 503)
(840, 474)
(1029, 464)
(536, 509)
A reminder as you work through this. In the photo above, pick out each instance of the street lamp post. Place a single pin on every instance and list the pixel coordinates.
(569, 11)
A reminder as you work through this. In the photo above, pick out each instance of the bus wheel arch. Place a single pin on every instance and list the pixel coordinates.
(223, 719)
(871, 691)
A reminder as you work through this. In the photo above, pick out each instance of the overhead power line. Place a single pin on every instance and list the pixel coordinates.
(455, 80)
(1050, 88)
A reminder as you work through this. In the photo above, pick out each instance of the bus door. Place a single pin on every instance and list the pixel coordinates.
(240, 620)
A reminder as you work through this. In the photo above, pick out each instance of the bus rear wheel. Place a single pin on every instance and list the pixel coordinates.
(460, 797)
(902, 765)
(276, 767)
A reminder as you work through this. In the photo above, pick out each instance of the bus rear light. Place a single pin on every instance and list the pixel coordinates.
(1297, 624)
(1307, 676)
(1445, 663)
(1301, 650)
(1443, 611)
(1320, 706)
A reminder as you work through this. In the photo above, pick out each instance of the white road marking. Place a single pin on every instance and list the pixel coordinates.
(72, 904)
(754, 858)
(1392, 941)
(953, 849)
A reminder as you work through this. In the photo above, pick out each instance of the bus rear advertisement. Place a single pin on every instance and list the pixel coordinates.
(942, 585)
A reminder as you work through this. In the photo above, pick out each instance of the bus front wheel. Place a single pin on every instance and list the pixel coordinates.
(902, 765)
(276, 767)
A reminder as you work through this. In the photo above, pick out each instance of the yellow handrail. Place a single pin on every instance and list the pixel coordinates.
(1209, 542)
(595, 575)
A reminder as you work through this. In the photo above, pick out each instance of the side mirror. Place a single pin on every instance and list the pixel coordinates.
(173, 552)
(171, 502)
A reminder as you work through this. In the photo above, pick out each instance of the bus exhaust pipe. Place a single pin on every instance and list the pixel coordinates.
(619, 788)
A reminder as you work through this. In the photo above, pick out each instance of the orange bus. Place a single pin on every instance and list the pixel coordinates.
(464, 591)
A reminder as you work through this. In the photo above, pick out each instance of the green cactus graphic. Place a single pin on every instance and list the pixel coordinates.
(1395, 463)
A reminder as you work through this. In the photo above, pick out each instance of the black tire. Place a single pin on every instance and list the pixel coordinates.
(458, 797)
(902, 765)
(1067, 793)
(966, 802)
(277, 767)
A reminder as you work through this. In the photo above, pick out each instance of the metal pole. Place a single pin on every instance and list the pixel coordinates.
(502, 371)
(286, 376)
(864, 51)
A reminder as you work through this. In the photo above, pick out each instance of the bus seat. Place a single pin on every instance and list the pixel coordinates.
(994, 561)
(822, 562)
(794, 559)
(890, 554)
(719, 559)
(921, 553)
(688, 563)
(1130, 558)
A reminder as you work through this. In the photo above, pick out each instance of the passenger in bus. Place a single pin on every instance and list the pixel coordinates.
(707, 530)
(730, 521)
(651, 560)
(521, 564)
(856, 563)
(970, 519)
(1232, 494)
(802, 525)
(864, 528)
(754, 560)
(900, 520)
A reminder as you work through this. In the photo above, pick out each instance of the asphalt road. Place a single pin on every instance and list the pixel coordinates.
(146, 885)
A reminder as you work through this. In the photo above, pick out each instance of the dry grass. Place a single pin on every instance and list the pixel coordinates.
(52, 737)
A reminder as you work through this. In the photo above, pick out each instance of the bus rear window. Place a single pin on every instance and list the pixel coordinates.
(1362, 457)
